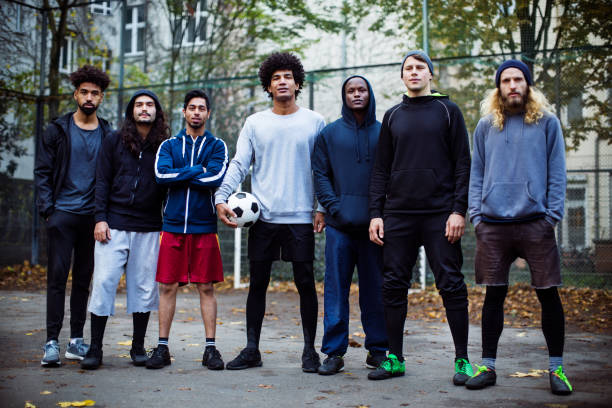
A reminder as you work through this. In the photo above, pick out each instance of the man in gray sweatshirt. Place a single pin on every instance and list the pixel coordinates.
(516, 197)
(278, 143)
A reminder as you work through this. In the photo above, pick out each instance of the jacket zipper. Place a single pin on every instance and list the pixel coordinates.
(188, 189)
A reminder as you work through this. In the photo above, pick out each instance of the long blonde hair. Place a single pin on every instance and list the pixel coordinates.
(537, 105)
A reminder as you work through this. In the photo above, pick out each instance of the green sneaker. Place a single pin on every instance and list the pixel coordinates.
(391, 367)
(559, 384)
(484, 377)
(463, 371)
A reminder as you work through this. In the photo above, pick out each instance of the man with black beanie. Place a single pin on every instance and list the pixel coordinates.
(128, 222)
(418, 197)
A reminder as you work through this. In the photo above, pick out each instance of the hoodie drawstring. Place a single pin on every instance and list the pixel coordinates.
(356, 140)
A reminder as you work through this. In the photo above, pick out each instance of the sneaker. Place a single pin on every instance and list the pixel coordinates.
(76, 349)
(559, 384)
(138, 354)
(483, 378)
(463, 371)
(52, 352)
(159, 358)
(212, 359)
(93, 358)
(375, 359)
(248, 357)
(332, 365)
(391, 367)
(310, 361)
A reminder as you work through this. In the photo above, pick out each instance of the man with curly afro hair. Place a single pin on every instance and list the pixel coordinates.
(278, 143)
(65, 177)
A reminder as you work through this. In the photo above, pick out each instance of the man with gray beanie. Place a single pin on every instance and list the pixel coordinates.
(418, 197)
(516, 197)
(128, 221)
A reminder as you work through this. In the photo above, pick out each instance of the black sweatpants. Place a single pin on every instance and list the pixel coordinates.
(404, 234)
(303, 276)
(68, 233)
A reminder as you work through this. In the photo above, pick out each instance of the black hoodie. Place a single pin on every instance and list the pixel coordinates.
(127, 196)
(342, 160)
(53, 160)
(423, 161)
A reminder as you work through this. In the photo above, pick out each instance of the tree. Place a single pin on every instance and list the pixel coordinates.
(561, 41)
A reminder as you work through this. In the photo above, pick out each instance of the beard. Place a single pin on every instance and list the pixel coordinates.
(145, 120)
(88, 110)
(196, 125)
(515, 103)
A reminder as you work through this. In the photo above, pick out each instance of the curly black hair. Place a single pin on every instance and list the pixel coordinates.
(89, 73)
(281, 61)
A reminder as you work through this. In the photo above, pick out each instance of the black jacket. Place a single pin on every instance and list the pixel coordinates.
(53, 159)
(127, 196)
(423, 159)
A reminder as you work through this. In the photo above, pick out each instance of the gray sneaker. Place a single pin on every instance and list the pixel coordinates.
(76, 349)
(52, 352)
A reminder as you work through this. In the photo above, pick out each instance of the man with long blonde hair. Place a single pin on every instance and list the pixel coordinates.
(516, 197)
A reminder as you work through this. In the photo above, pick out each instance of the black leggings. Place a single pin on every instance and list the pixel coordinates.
(553, 320)
(303, 277)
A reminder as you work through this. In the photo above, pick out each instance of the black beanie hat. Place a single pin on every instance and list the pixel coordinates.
(130, 106)
(513, 64)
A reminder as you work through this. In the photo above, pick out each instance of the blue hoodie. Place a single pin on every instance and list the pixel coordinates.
(342, 162)
(192, 171)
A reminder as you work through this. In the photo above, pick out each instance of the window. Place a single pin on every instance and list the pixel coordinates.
(134, 34)
(103, 62)
(575, 221)
(67, 55)
(194, 24)
(101, 7)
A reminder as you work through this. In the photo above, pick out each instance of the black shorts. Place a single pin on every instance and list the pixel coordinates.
(289, 242)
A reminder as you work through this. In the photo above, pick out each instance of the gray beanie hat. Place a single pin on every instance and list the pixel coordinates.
(420, 54)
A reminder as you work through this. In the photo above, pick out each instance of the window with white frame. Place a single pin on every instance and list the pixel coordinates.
(195, 26)
(101, 7)
(576, 217)
(134, 34)
(104, 62)
(67, 55)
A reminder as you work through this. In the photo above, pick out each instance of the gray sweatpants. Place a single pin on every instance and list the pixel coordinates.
(132, 253)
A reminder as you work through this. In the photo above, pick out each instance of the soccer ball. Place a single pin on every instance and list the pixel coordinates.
(245, 206)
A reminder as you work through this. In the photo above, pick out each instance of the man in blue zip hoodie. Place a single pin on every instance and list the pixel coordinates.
(191, 164)
(342, 162)
(517, 193)
(418, 196)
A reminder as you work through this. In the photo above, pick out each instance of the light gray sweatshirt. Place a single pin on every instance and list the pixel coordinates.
(518, 172)
(279, 149)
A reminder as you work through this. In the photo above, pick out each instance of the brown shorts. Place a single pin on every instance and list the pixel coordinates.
(498, 245)
(186, 258)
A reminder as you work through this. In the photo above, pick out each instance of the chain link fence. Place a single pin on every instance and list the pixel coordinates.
(584, 235)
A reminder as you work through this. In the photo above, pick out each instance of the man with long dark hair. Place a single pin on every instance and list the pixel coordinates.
(278, 143)
(128, 222)
(65, 175)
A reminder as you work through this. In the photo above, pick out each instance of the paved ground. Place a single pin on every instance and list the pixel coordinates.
(280, 382)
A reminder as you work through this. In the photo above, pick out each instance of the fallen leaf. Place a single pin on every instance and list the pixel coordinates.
(193, 345)
(531, 373)
(268, 351)
(359, 334)
(353, 343)
(125, 343)
(238, 322)
(29, 334)
(265, 386)
(521, 334)
(184, 388)
(45, 392)
(86, 403)
(28, 404)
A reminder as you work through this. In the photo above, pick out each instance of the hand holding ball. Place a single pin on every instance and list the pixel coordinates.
(246, 207)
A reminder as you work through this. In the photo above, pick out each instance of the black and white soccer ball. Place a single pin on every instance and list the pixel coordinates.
(246, 207)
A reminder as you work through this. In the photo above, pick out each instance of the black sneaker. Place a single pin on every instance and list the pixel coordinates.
(389, 368)
(559, 384)
(138, 354)
(160, 357)
(375, 358)
(93, 358)
(463, 371)
(248, 357)
(483, 378)
(310, 361)
(212, 359)
(332, 365)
